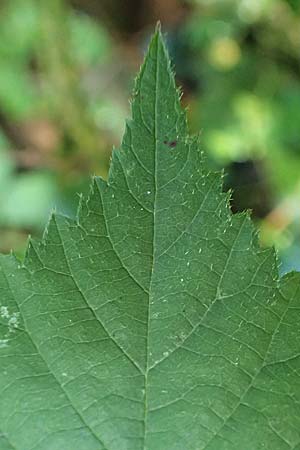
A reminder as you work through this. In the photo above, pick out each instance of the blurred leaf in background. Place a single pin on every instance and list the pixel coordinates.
(55, 111)
(67, 67)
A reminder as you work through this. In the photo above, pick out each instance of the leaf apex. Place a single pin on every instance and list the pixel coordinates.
(158, 27)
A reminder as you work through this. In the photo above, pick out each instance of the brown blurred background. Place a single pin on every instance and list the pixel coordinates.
(66, 72)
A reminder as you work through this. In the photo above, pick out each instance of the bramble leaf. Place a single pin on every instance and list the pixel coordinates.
(154, 321)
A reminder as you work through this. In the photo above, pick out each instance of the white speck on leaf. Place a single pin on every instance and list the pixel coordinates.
(4, 312)
(13, 321)
(3, 343)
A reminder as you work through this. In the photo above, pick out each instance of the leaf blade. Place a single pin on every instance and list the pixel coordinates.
(155, 315)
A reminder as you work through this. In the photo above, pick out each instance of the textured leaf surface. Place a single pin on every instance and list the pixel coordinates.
(153, 322)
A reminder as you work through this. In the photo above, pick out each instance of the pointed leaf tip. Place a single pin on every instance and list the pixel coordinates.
(158, 27)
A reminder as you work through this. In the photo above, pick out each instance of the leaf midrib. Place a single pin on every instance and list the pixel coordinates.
(153, 246)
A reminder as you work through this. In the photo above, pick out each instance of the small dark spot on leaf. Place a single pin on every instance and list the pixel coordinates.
(170, 144)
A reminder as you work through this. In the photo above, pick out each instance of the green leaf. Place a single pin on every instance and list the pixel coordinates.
(155, 321)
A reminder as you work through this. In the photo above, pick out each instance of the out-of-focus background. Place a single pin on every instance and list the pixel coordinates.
(66, 73)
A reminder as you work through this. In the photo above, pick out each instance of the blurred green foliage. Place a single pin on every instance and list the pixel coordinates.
(246, 59)
(65, 74)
